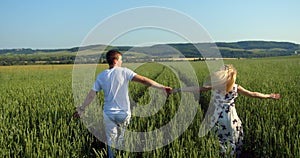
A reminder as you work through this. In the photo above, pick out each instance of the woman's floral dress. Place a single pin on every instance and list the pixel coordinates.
(227, 124)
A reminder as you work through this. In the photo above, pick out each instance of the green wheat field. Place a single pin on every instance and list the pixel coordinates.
(37, 108)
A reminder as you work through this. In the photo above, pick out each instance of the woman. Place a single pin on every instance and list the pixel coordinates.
(227, 125)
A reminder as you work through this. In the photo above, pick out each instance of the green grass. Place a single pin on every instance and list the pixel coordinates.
(37, 106)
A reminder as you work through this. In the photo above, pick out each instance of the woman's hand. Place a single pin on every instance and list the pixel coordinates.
(274, 96)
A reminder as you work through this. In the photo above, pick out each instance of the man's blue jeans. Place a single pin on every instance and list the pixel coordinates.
(115, 127)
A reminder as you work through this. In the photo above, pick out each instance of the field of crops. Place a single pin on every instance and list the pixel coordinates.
(37, 105)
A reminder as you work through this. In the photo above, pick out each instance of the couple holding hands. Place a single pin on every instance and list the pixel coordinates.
(114, 82)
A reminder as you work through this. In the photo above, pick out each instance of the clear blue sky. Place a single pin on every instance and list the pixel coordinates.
(65, 23)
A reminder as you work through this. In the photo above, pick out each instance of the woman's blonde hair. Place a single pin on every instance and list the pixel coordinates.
(222, 79)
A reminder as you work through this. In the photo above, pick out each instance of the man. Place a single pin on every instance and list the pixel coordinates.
(114, 82)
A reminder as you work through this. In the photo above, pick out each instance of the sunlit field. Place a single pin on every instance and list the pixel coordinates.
(37, 106)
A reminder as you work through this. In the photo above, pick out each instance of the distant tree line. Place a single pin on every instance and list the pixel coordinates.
(32, 51)
(35, 59)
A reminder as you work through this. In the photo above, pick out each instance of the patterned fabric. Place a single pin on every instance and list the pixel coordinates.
(227, 125)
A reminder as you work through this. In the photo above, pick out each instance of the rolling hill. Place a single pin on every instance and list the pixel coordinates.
(241, 49)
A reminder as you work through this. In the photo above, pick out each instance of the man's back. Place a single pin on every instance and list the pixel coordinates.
(114, 83)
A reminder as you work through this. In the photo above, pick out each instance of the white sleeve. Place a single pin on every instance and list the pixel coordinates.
(130, 74)
(97, 86)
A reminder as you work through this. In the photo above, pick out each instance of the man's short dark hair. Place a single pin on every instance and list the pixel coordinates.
(111, 55)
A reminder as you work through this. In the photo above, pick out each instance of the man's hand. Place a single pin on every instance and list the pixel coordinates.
(79, 111)
(167, 91)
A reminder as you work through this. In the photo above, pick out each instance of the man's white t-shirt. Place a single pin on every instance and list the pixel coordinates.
(114, 82)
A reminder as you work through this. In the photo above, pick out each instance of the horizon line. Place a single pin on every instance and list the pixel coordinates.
(70, 47)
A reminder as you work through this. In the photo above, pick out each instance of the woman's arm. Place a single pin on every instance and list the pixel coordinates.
(248, 93)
